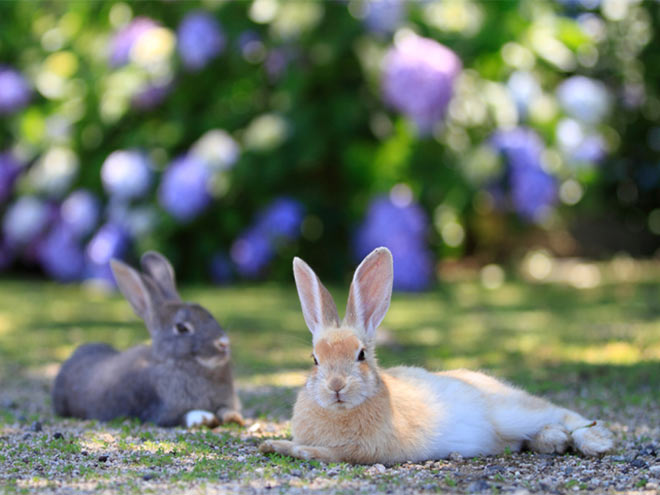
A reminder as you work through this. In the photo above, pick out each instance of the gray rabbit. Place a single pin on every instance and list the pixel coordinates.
(183, 378)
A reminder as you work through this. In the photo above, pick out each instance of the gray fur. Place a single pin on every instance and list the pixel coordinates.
(158, 383)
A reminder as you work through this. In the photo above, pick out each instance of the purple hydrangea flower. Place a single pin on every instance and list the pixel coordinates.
(7, 255)
(282, 219)
(15, 92)
(251, 253)
(384, 16)
(110, 241)
(585, 99)
(61, 255)
(418, 79)
(401, 228)
(151, 96)
(184, 190)
(126, 174)
(123, 41)
(533, 190)
(276, 63)
(220, 268)
(80, 212)
(25, 220)
(9, 171)
(200, 40)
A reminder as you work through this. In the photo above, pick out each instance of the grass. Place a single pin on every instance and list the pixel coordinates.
(547, 338)
(532, 334)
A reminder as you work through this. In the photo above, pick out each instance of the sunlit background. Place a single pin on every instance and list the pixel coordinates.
(232, 136)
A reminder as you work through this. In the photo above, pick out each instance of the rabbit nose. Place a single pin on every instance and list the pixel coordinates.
(336, 384)
(222, 343)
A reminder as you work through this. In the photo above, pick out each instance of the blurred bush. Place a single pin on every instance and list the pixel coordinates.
(233, 135)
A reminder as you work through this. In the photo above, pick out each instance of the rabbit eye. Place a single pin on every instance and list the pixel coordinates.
(182, 328)
(316, 363)
(361, 355)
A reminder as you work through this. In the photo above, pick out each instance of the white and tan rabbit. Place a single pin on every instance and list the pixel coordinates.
(352, 411)
(183, 378)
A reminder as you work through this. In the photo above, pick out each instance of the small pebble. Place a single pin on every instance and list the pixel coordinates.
(148, 476)
(478, 486)
(380, 468)
(638, 463)
(455, 456)
(36, 426)
(655, 469)
(103, 458)
(57, 435)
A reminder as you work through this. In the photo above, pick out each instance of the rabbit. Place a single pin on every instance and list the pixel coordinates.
(352, 411)
(183, 378)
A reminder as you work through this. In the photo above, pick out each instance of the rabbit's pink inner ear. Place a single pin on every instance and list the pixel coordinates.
(132, 285)
(371, 291)
(318, 307)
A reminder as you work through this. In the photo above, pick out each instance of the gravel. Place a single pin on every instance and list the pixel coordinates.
(41, 453)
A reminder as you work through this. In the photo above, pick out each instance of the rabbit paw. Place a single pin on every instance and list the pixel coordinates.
(199, 417)
(276, 447)
(552, 439)
(593, 439)
(286, 447)
(231, 416)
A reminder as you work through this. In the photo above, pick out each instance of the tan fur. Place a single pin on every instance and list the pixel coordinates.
(338, 345)
(374, 431)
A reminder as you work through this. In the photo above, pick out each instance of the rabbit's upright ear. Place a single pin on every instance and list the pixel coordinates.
(371, 290)
(135, 288)
(318, 307)
(157, 267)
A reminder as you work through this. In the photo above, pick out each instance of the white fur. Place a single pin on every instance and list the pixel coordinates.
(199, 417)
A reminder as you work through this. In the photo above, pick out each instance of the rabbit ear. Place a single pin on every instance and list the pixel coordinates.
(156, 265)
(370, 293)
(135, 289)
(318, 307)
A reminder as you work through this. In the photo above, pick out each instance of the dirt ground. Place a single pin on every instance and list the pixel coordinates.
(43, 454)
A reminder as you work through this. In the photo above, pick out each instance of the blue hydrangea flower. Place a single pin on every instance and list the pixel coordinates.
(80, 212)
(61, 255)
(384, 16)
(591, 149)
(533, 190)
(14, 91)
(282, 219)
(403, 230)
(255, 248)
(25, 220)
(126, 174)
(184, 189)
(9, 171)
(123, 41)
(524, 88)
(418, 79)
(110, 241)
(221, 269)
(200, 40)
(252, 252)
(585, 99)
